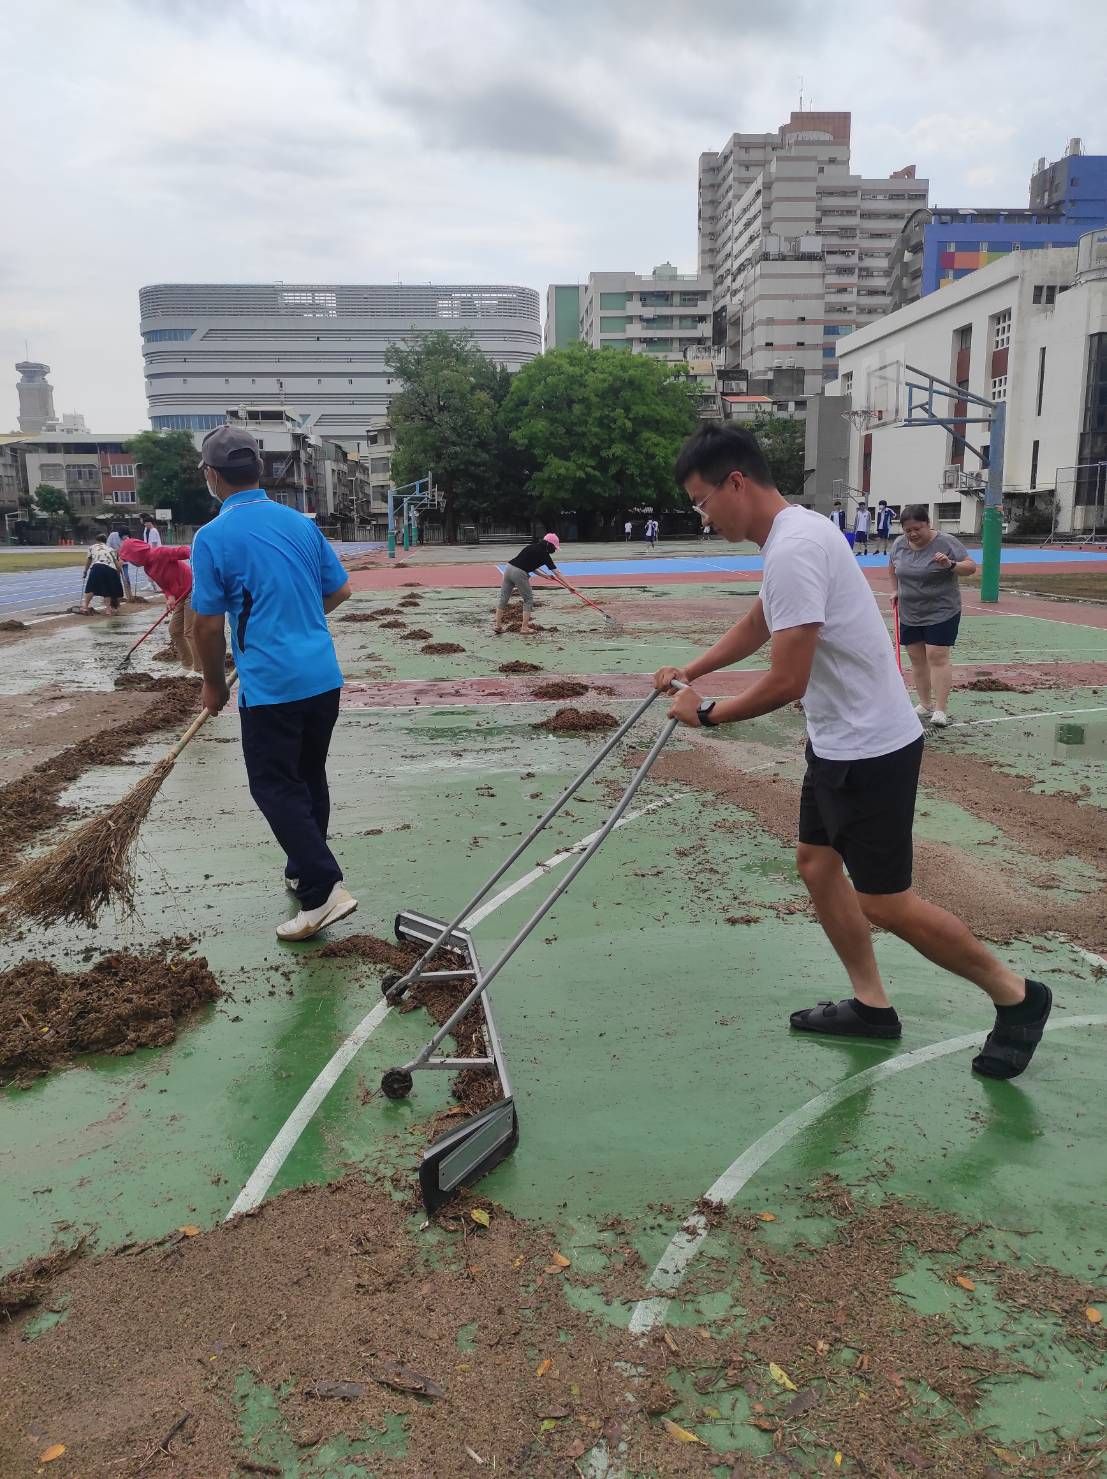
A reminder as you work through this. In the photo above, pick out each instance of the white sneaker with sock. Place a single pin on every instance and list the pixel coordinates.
(939, 719)
(310, 921)
(922, 711)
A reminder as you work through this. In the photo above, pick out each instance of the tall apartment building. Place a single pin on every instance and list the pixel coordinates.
(797, 247)
(317, 349)
(564, 304)
(940, 246)
(665, 314)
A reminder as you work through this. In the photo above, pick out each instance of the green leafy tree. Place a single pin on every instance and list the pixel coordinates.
(446, 419)
(169, 476)
(600, 429)
(52, 501)
(782, 441)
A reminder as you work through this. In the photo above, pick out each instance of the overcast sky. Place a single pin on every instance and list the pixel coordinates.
(519, 141)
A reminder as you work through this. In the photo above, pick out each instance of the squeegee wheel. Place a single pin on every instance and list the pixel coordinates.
(396, 930)
(396, 1083)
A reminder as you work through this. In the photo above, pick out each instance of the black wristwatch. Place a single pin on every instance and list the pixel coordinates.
(703, 713)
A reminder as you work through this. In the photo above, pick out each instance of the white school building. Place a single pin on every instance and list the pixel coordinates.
(1030, 330)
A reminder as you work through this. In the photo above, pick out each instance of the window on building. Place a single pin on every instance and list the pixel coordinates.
(380, 464)
(999, 388)
(1041, 379)
(962, 339)
(847, 382)
(949, 510)
(1001, 329)
(1038, 293)
(122, 469)
(120, 496)
(1034, 464)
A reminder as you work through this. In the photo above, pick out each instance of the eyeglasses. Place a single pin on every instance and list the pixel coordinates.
(699, 507)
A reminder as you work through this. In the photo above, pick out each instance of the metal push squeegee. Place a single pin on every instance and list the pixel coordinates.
(481, 1142)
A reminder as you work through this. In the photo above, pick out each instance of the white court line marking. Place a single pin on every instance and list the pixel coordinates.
(674, 1262)
(1038, 714)
(1088, 626)
(282, 1144)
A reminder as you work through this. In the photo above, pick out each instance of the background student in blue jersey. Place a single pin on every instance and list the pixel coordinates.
(269, 569)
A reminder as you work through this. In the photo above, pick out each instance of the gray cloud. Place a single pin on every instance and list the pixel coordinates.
(508, 118)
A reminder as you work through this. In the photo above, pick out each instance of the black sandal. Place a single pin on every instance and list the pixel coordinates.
(840, 1019)
(1009, 1047)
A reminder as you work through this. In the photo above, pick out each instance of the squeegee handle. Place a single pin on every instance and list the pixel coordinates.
(517, 852)
(586, 856)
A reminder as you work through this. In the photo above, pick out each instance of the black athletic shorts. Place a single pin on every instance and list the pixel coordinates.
(865, 810)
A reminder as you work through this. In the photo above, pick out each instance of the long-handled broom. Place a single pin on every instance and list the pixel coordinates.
(95, 865)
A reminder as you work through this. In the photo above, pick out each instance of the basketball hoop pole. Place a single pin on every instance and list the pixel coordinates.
(921, 411)
(992, 530)
(411, 497)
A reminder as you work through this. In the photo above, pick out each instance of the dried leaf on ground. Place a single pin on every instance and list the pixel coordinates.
(781, 1377)
(682, 1435)
(48, 1455)
(478, 1214)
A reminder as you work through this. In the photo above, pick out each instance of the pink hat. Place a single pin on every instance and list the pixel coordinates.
(551, 539)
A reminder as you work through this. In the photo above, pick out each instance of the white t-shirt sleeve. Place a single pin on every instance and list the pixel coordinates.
(797, 586)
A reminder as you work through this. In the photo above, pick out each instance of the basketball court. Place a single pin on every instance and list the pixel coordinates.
(645, 1021)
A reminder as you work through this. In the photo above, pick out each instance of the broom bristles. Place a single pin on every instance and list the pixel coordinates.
(92, 867)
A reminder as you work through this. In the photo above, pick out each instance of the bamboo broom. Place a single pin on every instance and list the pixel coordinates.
(94, 866)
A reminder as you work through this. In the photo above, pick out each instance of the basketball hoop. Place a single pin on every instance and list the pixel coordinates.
(861, 420)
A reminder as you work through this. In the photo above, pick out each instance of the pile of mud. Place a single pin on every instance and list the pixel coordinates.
(123, 1002)
(441, 649)
(559, 689)
(520, 667)
(577, 721)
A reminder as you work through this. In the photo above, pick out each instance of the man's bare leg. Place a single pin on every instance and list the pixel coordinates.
(942, 938)
(844, 924)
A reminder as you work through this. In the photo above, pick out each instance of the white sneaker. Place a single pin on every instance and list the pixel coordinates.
(310, 921)
(939, 719)
(922, 711)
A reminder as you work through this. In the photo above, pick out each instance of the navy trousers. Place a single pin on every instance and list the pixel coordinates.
(285, 749)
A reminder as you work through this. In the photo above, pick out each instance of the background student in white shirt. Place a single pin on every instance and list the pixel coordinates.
(829, 649)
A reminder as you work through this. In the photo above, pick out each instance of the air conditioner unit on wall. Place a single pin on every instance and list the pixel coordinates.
(951, 477)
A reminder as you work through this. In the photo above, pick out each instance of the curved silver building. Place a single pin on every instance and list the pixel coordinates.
(317, 348)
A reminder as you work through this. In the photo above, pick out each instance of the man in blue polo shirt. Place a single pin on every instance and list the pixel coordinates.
(270, 571)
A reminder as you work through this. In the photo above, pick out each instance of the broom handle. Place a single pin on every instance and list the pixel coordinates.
(145, 634)
(595, 604)
(197, 724)
(895, 626)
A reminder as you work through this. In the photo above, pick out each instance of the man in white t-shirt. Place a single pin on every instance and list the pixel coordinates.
(830, 650)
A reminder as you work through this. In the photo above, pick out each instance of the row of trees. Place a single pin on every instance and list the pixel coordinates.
(589, 432)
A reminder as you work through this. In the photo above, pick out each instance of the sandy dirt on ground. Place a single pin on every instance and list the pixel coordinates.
(997, 903)
(353, 1316)
(36, 725)
(29, 803)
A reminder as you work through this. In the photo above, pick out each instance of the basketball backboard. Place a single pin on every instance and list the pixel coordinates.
(884, 392)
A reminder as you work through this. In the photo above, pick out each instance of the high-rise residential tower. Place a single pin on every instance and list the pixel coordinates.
(797, 247)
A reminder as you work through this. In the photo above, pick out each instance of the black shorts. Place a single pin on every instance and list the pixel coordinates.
(936, 634)
(865, 810)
